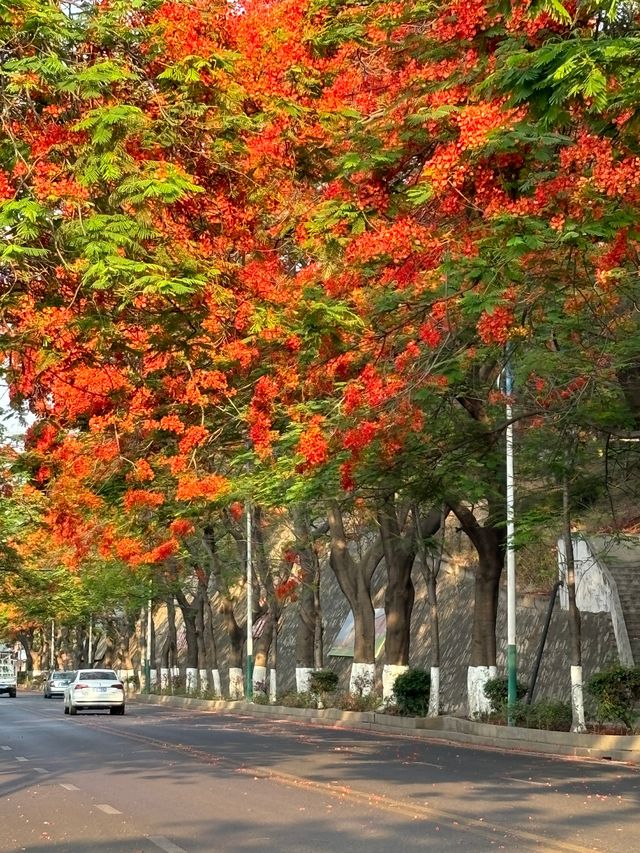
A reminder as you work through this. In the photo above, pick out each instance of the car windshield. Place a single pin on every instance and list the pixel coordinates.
(98, 675)
(63, 676)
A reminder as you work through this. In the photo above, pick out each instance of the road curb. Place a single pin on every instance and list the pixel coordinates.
(624, 748)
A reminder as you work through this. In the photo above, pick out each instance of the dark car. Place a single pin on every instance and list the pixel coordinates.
(56, 683)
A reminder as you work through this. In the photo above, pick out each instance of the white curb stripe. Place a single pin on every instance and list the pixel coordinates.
(40, 770)
(107, 809)
(68, 787)
(21, 758)
(5, 747)
(166, 845)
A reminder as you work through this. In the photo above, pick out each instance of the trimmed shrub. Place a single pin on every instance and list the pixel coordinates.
(497, 692)
(323, 681)
(616, 690)
(411, 692)
(550, 714)
(293, 699)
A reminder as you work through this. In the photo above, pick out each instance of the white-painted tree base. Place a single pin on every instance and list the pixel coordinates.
(259, 680)
(164, 678)
(217, 684)
(273, 684)
(154, 677)
(191, 680)
(303, 679)
(577, 701)
(434, 692)
(477, 677)
(236, 683)
(175, 672)
(125, 674)
(390, 672)
(363, 677)
(203, 680)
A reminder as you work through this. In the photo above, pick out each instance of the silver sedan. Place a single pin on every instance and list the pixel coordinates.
(93, 689)
(56, 683)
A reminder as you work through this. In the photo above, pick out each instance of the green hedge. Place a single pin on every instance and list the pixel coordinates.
(616, 691)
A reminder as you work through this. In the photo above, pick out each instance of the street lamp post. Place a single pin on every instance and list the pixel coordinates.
(249, 675)
(512, 666)
(147, 660)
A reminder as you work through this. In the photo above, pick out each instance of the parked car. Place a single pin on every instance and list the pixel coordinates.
(93, 689)
(56, 682)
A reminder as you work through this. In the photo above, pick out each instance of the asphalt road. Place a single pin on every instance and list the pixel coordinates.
(174, 780)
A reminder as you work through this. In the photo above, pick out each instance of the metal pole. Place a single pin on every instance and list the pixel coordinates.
(543, 640)
(90, 650)
(52, 655)
(512, 666)
(249, 673)
(147, 662)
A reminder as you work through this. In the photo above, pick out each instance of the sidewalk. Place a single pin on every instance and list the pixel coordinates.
(454, 729)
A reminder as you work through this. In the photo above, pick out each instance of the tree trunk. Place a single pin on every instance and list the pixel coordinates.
(42, 655)
(489, 541)
(309, 627)
(354, 579)
(227, 611)
(399, 556)
(80, 648)
(26, 639)
(189, 616)
(169, 653)
(575, 651)
(318, 639)
(431, 565)
(270, 612)
(273, 665)
(212, 649)
(400, 548)
(203, 665)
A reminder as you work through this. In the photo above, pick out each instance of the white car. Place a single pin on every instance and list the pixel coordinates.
(92, 689)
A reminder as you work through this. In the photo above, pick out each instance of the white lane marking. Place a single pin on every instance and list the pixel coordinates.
(5, 747)
(527, 781)
(40, 770)
(68, 787)
(107, 809)
(21, 758)
(166, 845)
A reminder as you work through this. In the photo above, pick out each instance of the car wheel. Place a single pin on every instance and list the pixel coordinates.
(73, 710)
(12, 694)
(117, 710)
(66, 710)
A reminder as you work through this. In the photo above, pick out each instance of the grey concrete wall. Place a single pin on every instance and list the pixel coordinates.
(455, 592)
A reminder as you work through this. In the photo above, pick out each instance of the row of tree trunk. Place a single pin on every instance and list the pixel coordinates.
(402, 534)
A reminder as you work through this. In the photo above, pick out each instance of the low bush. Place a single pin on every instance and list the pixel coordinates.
(357, 701)
(497, 692)
(323, 681)
(411, 692)
(293, 699)
(550, 714)
(616, 691)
